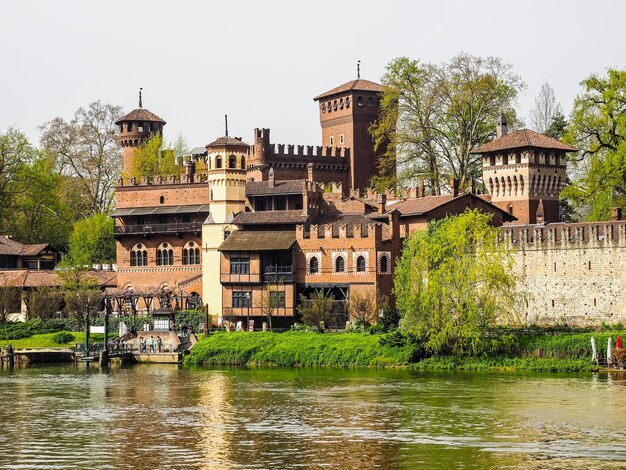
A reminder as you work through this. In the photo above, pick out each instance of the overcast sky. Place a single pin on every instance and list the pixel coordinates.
(263, 61)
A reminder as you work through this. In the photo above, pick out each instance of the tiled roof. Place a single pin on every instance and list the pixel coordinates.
(10, 247)
(262, 188)
(44, 278)
(270, 218)
(228, 141)
(140, 114)
(420, 205)
(255, 240)
(356, 85)
(156, 210)
(523, 138)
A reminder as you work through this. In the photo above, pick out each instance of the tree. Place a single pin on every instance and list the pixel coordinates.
(453, 282)
(15, 151)
(431, 116)
(10, 301)
(363, 307)
(43, 302)
(598, 129)
(546, 109)
(93, 240)
(315, 309)
(151, 160)
(271, 299)
(86, 150)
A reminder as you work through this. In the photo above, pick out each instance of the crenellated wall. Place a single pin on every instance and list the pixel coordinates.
(575, 274)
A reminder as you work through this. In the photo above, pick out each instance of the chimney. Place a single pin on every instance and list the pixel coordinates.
(382, 201)
(502, 128)
(310, 172)
(616, 213)
(454, 187)
(473, 186)
(422, 191)
(270, 178)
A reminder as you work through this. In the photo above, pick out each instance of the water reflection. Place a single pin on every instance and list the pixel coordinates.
(170, 417)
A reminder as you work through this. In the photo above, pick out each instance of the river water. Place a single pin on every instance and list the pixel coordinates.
(162, 416)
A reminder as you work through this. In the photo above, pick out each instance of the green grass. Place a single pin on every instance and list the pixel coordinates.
(298, 349)
(502, 363)
(45, 340)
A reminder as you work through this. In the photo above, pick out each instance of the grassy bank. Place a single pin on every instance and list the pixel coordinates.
(46, 340)
(547, 352)
(298, 349)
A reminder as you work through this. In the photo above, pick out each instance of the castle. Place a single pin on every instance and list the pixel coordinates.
(268, 223)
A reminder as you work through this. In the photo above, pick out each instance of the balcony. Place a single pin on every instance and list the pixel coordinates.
(148, 229)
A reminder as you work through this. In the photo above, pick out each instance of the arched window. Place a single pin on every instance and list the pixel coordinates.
(314, 266)
(139, 255)
(360, 264)
(370, 102)
(384, 264)
(340, 264)
(243, 163)
(191, 253)
(218, 162)
(165, 255)
(232, 162)
(161, 199)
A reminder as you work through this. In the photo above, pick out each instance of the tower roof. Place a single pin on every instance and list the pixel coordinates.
(520, 139)
(140, 114)
(353, 85)
(226, 141)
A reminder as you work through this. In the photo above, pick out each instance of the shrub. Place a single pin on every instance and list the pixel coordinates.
(63, 337)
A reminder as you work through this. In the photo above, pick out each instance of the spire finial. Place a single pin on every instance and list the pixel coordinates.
(140, 96)
(226, 123)
(358, 69)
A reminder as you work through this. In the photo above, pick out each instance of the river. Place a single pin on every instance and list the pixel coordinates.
(161, 416)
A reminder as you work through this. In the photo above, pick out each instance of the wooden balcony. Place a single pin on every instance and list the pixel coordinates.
(148, 229)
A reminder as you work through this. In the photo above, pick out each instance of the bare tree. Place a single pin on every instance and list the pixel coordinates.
(546, 109)
(86, 149)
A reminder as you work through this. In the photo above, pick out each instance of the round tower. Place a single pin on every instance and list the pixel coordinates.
(134, 129)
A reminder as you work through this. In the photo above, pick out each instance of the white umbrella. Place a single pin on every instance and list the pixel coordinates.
(609, 354)
(594, 355)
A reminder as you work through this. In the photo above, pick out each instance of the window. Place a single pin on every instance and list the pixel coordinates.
(341, 103)
(298, 206)
(277, 263)
(243, 163)
(384, 264)
(226, 233)
(165, 255)
(240, 265)
(191, 253)
(130, 126)
(329, 106)
(370, 102)
(314, 266)
(510, 209)
(140, 127)
(162, 219)
(332, 141)
(518, 157)
(277, 299)
(161, 199)
(360, 264)
(139, 255)
(492, 160)
(341, 139)
(340, 264)
(505, 158)
(141, 220)
(232, 162)
(280, 204)
(348, 102)
(335, 105)
(242, 299)
(218, 162)
(359, 101)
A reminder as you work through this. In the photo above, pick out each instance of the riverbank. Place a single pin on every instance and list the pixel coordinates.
(539, 352)
(47, 340)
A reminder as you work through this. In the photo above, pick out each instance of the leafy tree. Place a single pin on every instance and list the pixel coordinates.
(557, 127)
(546, 109)
(433, 115)
(270, 300)
(10, 301)
(92, 240)
(85, 149)
(44, 302)
(598, 129)
(315, 309)
(152, 160)
(15, 151)
(453, 282)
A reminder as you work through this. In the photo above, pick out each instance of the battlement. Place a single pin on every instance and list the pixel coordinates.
(198, 178)
(327, 231)
(566, 235)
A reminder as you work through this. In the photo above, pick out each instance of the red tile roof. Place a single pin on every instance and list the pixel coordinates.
(420, 205)
(8, 246)
(354, 85)
(270, 218)
(48, 278)
(228, 142)
(257, 240)
(523, 138)
(262, 188)
(140, 114)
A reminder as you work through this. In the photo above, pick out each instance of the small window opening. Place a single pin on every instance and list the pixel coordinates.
(589, 265)
(594, 302)
(553, 302)
(161, 199)
(359, 101)
(341, 139)
(332, 141)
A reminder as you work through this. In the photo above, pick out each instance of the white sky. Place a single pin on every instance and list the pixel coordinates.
(263, 61)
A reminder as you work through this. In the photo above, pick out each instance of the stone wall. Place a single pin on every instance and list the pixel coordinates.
(574, 274)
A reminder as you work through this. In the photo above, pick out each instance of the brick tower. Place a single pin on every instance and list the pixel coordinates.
(346, 114)
(524, 173)
(135, 128)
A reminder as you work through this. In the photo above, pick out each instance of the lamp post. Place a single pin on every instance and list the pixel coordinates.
(87, 328)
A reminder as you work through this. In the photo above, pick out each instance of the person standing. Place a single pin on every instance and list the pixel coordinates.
(159, 344)
(151, 344)
(618, 343)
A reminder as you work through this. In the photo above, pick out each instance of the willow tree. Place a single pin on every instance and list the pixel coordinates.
(598, 129)
(454, 282)
(432, 116)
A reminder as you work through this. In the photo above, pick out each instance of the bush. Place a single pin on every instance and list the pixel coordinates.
(63, 337)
